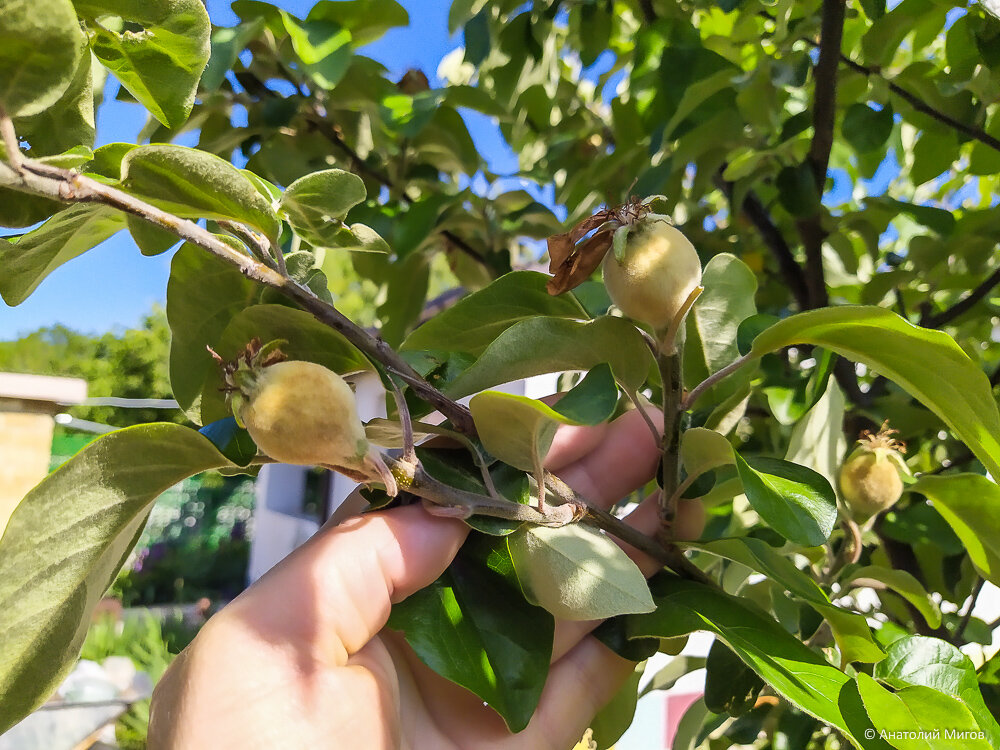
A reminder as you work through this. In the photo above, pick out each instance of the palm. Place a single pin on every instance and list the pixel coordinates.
(301, 659)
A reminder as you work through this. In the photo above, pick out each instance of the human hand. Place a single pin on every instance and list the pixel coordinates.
(302, 660)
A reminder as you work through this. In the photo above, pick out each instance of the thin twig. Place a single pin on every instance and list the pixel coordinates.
(964, 304)
(405, 421)
(635, 398)
(13, 151)
(257, 243)
(68, 186)
(695, 393)
(669, 341)
(669, 365)
(970, 131)
(967, 615)
(773, 239)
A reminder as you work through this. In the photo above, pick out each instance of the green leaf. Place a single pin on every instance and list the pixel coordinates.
(159, 64)
(933, 663)
(703, 450)
(227, 44)
(150, 238)
(473, 627)
(970, 503)
(474, 322)
(66, 541)
(954, 388)
(324, 48)
(357, 238)
(406, 292)
(577, 573)
(203, 294)
(307, 339)
(673, 671)
(797, 190)
(519, 430)
(918, 717)
(817, 440)
(731, 686)
(902, 583)
(850, 630)
(615, 718)
(713, 322)
(67, 123)
(195, 184)
(795, 501)
(367, 20)
(40, 48)
(865, 128)
(72, 231)
(546, 344)
(795, 672)
(316, 204)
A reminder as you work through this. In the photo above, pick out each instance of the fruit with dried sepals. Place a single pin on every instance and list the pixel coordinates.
(652, 271)
(871, 476)
(301, 413)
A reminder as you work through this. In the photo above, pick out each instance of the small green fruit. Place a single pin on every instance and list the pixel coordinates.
(870, 478)
(652, 278)
(302, 413)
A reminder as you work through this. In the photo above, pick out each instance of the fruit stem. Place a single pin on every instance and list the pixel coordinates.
(669, 365)
(405, 421)
(668, 343)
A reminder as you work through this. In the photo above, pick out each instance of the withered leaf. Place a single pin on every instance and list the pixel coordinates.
(570, 263)
(578, 261)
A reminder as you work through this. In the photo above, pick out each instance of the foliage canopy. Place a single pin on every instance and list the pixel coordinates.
(834, 165)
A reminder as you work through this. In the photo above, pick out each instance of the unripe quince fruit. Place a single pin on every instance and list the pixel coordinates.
(871, 477)
(302, 413)
(652, 278)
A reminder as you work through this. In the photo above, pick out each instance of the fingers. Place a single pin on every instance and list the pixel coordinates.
(333, 594)
(606, 462)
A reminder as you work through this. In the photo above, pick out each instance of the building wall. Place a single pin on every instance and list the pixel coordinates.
(25, 445)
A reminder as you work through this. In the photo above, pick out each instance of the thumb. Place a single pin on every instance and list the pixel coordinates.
(333, 594)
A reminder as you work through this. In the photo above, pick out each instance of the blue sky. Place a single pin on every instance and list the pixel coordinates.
(114, 285)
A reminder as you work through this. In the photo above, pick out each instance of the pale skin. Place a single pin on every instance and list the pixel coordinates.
(302, 659)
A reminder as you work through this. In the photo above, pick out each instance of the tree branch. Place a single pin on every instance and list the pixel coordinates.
(773, 239)
(969, 131)
(823, 114)
(68, 186)
(964, 304)
(825, 88)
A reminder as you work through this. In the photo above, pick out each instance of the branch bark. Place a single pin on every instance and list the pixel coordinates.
(67, 186)
(823, 114)
(773, 239)
(964, 304)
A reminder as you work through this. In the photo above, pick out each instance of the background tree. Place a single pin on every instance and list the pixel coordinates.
(834, 165)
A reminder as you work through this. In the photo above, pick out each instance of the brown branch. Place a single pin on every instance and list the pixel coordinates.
(647, 10)
(825, 88)
(318, 120)
(773, 239)
(967, 616)
(823, 114)
(969, 131)
(68, 186)
(964, 304)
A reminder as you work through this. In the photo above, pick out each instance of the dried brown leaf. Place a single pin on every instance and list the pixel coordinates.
(581, 263)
